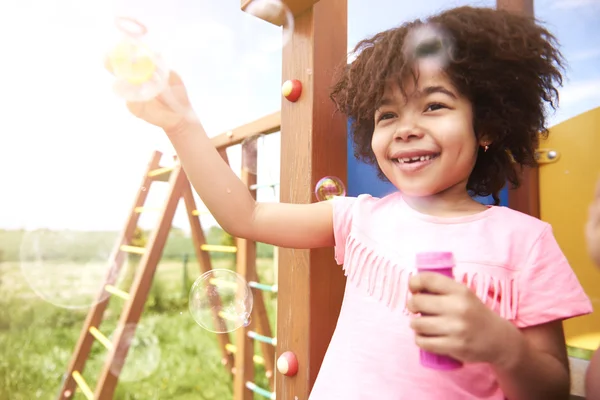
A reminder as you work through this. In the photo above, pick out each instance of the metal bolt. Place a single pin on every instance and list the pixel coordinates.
(552, 155)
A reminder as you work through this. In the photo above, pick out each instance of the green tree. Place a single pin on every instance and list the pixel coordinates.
(227, 239)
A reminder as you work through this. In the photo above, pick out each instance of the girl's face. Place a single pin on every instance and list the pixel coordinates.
(425, 144)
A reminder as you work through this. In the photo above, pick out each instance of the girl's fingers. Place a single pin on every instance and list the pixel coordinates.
(431, 326)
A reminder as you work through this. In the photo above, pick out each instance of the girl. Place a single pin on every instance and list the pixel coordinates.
(440, 136)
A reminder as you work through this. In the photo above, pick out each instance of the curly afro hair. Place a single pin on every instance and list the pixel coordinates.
(507, 65)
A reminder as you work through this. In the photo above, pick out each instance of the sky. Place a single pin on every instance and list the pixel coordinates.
(72, 157)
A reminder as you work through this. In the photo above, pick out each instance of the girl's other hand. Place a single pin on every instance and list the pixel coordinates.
(454, 322)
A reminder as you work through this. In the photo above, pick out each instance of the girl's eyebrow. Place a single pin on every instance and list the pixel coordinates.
(426, 91)
(435, 89)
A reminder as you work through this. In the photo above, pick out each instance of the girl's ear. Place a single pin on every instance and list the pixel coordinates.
(485, 141)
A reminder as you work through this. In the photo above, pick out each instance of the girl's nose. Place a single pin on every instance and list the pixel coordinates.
(408, 131)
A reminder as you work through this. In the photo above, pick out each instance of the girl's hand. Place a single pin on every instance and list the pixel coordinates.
(170, 110)
(454, 322)
(592, 229)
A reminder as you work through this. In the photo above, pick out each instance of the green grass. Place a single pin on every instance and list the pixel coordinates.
(171, 356)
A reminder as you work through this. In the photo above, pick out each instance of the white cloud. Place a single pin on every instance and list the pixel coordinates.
(572, 4)
(580, 91)
(585, 55)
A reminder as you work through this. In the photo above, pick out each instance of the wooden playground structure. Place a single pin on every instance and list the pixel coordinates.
(310, 285)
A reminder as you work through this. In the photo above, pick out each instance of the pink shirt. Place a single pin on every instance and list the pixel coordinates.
(511, 261)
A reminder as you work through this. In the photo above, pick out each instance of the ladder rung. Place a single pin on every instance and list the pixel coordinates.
(139, 210)
(161, 174)
(258, 390)
(85, 389)
(263, 185)
(230, 348)
(101, 338)
(261, 338)
(195, 213)
(218, 248)
(228, 316)
(117, 292)
(252, 284)
(256, 358)
(223, 283)
(263, 287)
(133, 249)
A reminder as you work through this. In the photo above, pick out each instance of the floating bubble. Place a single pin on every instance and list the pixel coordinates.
(276, 12)
(429, 46)
(329, 187)
(138, 354)
(221, 301)
(65, 268)
(250, 149)
(140, 73)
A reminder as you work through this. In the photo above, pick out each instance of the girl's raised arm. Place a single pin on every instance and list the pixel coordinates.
(230, 202)
(223, 193)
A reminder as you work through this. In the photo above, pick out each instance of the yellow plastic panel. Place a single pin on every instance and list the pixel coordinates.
(567, 182)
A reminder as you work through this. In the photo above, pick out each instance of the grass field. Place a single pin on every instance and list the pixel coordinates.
(170, 358)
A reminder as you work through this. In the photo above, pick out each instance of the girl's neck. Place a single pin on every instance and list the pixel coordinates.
(450, 203)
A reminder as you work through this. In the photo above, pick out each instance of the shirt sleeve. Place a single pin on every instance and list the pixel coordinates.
(342, 224)
(548, 287)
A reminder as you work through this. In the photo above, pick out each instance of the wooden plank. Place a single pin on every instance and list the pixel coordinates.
(313, 145)
(297, 7)
(132, 311)
(246, 267)
(94, 317)
(527, 197)
(266, 125)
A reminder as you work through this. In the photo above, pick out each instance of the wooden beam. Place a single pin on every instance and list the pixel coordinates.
(527, 197)
(297, 7)
(313, 145)
(266, 125)
(517, 6)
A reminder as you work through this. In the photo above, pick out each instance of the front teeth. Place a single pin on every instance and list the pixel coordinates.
(413, 159)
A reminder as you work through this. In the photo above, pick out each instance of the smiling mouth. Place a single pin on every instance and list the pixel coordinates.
(416, 159)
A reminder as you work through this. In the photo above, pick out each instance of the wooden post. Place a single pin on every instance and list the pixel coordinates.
(246, 267)
(313, 145)
(526, 198)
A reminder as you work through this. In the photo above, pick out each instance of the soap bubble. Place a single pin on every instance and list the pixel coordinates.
(221, 301)
(277, 12)
(65, 268)
(251, 146)
(138, 355)
(429, 46)
(140, 73)
(329, 187)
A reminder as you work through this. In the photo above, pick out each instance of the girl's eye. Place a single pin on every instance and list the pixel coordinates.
(434, 107)
(385, 116)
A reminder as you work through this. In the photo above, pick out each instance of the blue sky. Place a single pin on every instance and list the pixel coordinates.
(70, 154)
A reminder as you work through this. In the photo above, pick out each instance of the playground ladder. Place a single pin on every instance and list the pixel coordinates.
(179, 187)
